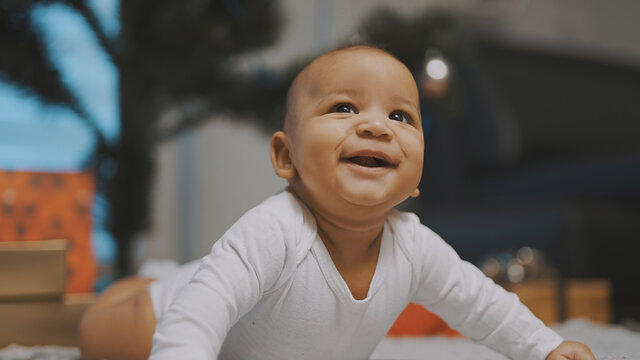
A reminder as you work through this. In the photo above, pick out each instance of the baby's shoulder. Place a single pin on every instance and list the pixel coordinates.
(284, 219)
(414, 238)
(270, 237)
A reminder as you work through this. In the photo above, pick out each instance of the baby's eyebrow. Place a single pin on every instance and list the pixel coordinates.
(347, 92)
(405, 101)
(355, 93)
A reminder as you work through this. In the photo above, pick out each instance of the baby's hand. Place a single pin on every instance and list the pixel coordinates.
(572, 351)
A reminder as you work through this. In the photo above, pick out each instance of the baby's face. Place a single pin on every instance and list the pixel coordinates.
(355, 132)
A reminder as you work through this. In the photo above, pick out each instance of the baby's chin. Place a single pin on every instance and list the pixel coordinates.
(372, 199)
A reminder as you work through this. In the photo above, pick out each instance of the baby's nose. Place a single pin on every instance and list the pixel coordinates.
(374, 126)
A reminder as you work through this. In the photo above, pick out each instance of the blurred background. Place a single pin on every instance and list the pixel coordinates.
(141, 130)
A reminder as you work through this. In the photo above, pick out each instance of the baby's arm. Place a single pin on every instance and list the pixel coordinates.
(477, 307)
(242, 265)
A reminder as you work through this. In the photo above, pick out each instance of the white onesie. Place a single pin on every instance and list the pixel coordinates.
(269, 290)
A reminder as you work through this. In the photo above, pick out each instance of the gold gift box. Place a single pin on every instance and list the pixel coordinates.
(32, 270)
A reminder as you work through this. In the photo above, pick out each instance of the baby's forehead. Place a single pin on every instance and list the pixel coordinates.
(315, 74)
(311, 80)
(335, 59)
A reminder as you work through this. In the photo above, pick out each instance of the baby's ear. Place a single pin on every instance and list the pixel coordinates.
(281, 156)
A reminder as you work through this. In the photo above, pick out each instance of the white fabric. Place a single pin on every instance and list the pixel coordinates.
(269, 290)
(608, 342)
(164, 290)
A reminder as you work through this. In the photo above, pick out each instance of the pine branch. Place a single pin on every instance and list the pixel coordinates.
(24, 61)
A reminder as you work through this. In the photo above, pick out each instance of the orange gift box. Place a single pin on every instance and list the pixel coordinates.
(42, 206)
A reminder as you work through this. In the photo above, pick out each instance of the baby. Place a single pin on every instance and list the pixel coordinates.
(322, 269)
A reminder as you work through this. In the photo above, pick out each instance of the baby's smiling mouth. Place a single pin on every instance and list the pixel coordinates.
(369, 161)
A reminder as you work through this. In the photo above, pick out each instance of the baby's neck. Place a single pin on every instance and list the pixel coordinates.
(350, 245)
(354, 253)
(352, 236)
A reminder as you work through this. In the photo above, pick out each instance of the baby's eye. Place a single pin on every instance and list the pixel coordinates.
(400, 116)
(345, 108)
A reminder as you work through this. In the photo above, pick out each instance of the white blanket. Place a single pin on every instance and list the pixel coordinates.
(608, 342)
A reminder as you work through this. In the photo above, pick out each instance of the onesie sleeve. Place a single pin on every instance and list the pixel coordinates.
(243, 265)
(473, 304)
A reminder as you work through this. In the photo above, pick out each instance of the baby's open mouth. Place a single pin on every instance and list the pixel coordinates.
(369, 161)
